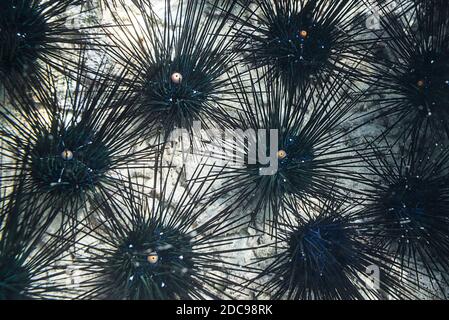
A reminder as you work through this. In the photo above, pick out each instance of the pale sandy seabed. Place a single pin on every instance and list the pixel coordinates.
(244, 257)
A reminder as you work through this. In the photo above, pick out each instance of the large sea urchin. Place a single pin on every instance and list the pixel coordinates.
(156, 247)
(28, 256)
(408, 198)
(299, 41)
(180, 63)
(413, 79)
(72, 146)
(322, 253)
(310, 152)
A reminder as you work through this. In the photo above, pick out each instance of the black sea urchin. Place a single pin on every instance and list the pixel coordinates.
(415, 77)
(322, 253)
(156, 247)
(74, 145)
(408, 198)
(303, 150)
(181, 65)
(34, 35)
(27, 254)
(303, 40)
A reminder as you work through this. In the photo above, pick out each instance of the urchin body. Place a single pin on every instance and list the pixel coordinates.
(68, 159)
(177, 94)
(149, 260)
